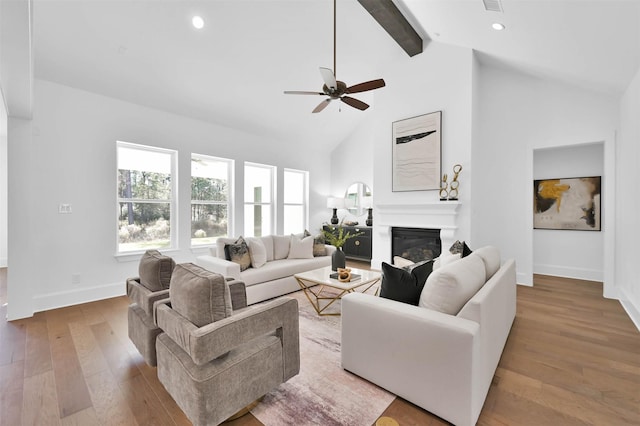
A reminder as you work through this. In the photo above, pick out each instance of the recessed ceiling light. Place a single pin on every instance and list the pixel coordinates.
(498, 26)
(197, 22)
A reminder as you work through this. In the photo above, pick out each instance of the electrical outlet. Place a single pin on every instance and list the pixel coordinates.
(64, 209)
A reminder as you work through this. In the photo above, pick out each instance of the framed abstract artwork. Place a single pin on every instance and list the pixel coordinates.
(567, 203)
(417, 153)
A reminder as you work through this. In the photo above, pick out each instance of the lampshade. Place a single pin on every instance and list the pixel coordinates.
(367, 202)
(335, 203)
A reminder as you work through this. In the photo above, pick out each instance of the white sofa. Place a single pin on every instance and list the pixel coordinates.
(272, 279)
(441, 362)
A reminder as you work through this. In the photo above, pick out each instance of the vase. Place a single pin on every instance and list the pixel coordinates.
(338, 259)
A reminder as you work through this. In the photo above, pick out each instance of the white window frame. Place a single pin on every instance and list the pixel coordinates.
(230, 197)
(173, 202)
(272, 202)
(305, 196)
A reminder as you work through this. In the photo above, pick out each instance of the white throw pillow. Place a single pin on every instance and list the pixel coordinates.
(301, 248)
(281, 245)
(445, 258)
(491, 257)
(449, 288)
(401, 262)
(257, 252)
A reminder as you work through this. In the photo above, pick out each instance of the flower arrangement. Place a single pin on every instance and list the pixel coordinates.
(337, 236)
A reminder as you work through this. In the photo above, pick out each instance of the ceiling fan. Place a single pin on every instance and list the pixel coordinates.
(336, 89)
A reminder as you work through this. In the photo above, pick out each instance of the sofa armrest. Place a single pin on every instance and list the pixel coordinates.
(427, 357)
(223, 267)
(213, 340)
(144, 297)
(329, 249)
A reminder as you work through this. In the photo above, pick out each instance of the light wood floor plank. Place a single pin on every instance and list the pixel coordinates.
(40, 401)
(38, 350)
(89, 353)
(86, 417)
(108, 400)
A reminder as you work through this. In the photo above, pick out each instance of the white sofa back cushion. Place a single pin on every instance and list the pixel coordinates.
(268, 245)
(491, 257)
(451, 286)
(281, 245)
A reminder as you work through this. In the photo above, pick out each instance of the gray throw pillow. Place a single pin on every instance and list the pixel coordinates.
(155, 270)
(238, 252)
(199, 295)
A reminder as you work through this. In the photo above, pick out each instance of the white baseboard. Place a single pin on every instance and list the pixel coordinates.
(569, 272)
(632, 310)
(60, 299)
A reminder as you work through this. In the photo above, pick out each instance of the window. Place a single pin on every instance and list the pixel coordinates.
(146, 194)
(211, 186)
(296, 215)
(258, 199)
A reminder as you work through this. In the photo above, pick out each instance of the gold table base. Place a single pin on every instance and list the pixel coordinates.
(315, 297)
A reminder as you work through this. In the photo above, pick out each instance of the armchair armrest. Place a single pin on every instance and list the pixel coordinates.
(223, 267)
(238, 294)
(213, 340)
(144, 297)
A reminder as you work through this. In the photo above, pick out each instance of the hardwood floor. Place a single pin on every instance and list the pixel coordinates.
(573, 357)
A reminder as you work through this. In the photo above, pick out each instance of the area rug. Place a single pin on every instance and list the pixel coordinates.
(323, 393)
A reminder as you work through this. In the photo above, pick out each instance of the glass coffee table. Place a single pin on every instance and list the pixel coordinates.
(321, 277)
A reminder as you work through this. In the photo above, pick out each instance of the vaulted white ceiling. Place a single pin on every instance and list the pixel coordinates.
(235, 69)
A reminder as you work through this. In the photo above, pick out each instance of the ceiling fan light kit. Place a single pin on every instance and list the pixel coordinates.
(336, 89)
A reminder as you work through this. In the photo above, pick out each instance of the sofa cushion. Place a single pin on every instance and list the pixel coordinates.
(199, 295)
(238, 252)
(405, 284)
(282, 268)
(281, 245)
(491, 257)
(448, 288)
(155, 270)
(257, 252)
(300, 248)
(267, 240)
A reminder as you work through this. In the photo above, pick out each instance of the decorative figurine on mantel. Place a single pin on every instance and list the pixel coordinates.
(449, 191)
(453, 191)
(444, 192)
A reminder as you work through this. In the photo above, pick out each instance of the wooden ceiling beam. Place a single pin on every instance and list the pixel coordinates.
(391, 19)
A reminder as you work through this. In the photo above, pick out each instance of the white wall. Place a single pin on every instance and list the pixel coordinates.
(574, 254)
(628, 206)
(352, 161)
(439, 79)
(67, 154)
(3, 183)
(518, 114)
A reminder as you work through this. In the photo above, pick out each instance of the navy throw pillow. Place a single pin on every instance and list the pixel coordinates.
(405, 284)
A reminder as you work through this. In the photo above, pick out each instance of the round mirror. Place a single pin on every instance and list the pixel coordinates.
(355, 198)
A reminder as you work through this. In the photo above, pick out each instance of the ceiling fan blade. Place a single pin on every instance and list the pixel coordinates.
(369, 85)
(322, 105)
(354, 103)
(301, 92)
(329, 78)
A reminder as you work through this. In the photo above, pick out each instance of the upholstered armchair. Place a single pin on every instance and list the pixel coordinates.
(215, 355)
(151, 285)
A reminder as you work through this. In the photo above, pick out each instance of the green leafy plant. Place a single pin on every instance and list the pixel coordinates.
(337, 235)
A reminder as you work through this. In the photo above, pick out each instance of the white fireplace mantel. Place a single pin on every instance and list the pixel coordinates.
(433, 215)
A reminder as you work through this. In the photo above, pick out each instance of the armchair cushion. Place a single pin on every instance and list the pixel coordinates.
(155, 270)
(200, 296)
